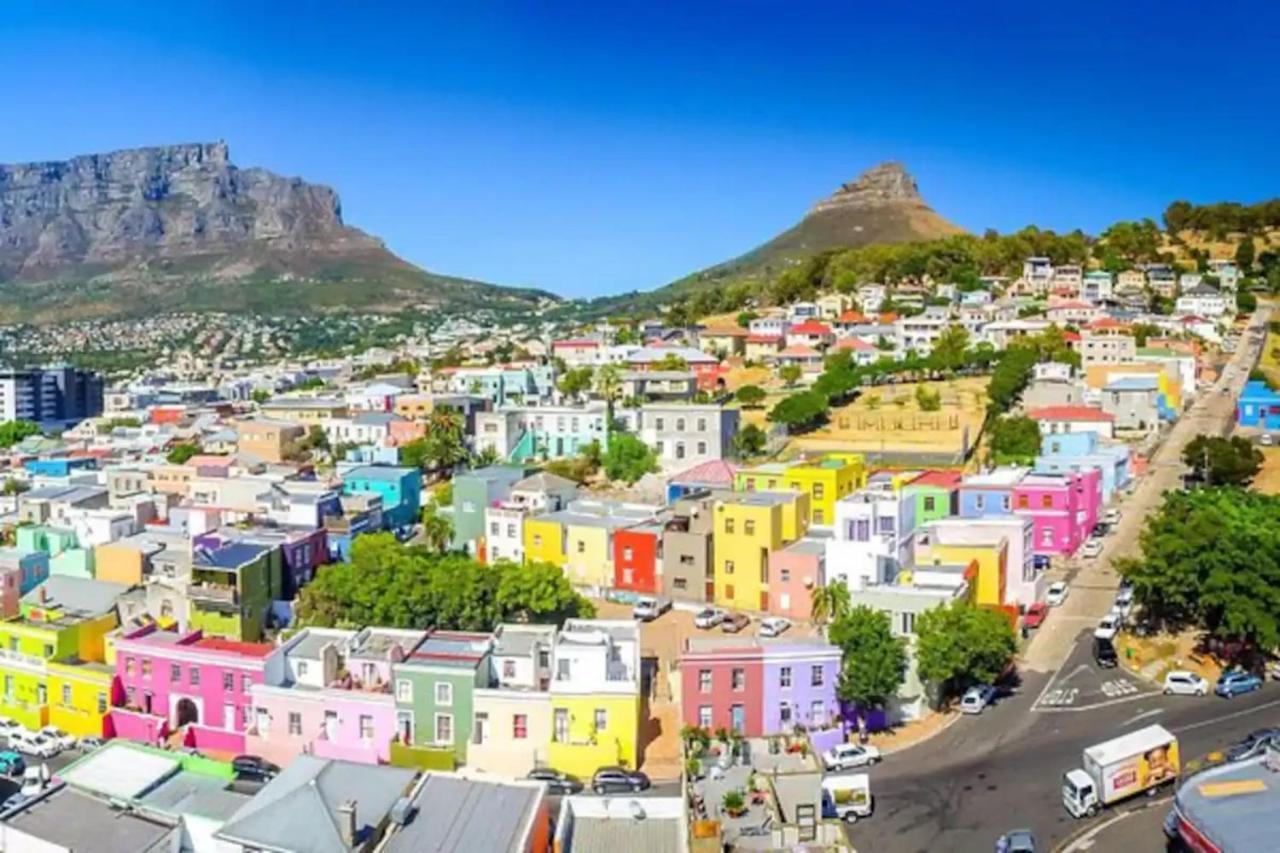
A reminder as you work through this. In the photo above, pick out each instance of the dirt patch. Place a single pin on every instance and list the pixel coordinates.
(1268, 479)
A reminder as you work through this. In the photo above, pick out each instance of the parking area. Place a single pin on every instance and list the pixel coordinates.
(1081, 684)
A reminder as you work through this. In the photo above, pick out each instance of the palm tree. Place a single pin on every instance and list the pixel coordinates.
(830, 602)
(609, 388)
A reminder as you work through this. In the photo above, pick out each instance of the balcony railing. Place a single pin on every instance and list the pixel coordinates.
(209, 594)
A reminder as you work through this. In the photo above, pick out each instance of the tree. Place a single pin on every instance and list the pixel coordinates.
(1245, 254)
(15, 431)
(750, 440)
(806, 409)
(948, 354)
(1012, 373)
(1014, 440)
(745, 317)
(1211, 558)
(961, 644)
(260, 395)
(627, 458)
(751, 396)
(1218, 461)
(181, 453)
(437, 529)
(874, 663)
(609, 389)
(487, 456)
(829, 603)
(1246, 302)
(539, 593)
(671, 361)
(445, 444)
(576, 382)
(15, 487)
(1142, 332)
(928, 401)
(790, 374)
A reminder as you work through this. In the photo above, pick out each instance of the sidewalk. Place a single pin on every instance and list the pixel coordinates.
(918, 731)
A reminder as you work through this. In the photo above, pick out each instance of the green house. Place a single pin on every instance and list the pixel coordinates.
(473, 493)
(935, 494)
(232, 588)
(434, 689)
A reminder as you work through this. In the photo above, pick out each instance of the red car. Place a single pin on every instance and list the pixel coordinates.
(1034, 617)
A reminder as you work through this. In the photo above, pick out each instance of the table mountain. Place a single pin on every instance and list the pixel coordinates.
(180, 226)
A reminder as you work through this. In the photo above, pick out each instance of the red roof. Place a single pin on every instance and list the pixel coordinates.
(852, 317)
(1071, 304)
(764, 339)
(799, 351)
(853, 343)
(887, 317)
(811, 327)
(579, 342)
(941, 479)
(248, 650)
(715, 472)
(1070, 413)
(1071, 337)
(1107, 323)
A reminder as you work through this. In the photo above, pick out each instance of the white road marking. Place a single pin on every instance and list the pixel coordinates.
(1089, 838)
(1084, 667)
(1153, 712)
(1216, 720)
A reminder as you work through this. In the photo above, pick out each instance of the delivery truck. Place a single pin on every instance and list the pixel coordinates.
(846, 796)
(1139, 762)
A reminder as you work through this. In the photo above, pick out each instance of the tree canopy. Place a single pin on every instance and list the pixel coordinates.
(750, 440)
(751, 395)
(961, 644)
(179, 454)
(1218, 461)
(14, 431)
(1014, 440)
(576, 382)
(875, 661)
(627, 458)
(389, 584)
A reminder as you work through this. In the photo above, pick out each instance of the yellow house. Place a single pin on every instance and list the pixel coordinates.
(988, 587)
(748, 528)
(595, 696)
(825, 481)
(544, 540)
(79, 696)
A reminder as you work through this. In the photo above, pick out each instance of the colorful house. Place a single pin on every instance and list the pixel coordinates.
(196, 686)
(595, 696)
(1258, 406)
(512, 731)
(1062, 453)
(1063, 507)
(936, 495)
(759, 687)
(399, 487)
(585, 534)
(794, 573)
(825, 480)
(434, 690)
(232, 588)
(872, 536)
(1012, 535)
(989, 493)
(81, 694)
(748, 528)
(475, 491)
(635, 557)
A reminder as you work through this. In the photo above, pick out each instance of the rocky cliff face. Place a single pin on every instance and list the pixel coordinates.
(887, 183)
(164, 202)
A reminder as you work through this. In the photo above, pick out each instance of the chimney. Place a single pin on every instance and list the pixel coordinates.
(44, 594)
(347, 822)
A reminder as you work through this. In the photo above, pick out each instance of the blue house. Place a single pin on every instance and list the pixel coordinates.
(1258, 406)
(990, 493)
(399, 487)
(1062, 453)
(61, 466)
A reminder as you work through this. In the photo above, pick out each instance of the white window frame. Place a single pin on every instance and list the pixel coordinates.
(404, 690)
(447, 701)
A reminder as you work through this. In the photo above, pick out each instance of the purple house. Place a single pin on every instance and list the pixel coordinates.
(800, 679)
(301, 551)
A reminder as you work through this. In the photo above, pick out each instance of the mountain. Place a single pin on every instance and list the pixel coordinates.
(883, 205)
(179, 227)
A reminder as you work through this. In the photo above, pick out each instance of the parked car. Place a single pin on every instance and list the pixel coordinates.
(1122, 606)
(977, 698)
(1253, 744)
(557, 782)
(1016, 841)
(1185, 683)
(609, 779)
(1108, 627)
(846, 756)
(1057, 593)
(15, 799)
(8, 727)
(735, 622)
(709, 617)
(1104, 653)
(1265, 441)
(1092, 548)
(90, 743)
(254, 767)
(58, 736)
(648, 608)
(1034, 617)
(12, 763)
(774, 626)
(1112, 516)
(33, 781)
(1232, 684)
(35, 743)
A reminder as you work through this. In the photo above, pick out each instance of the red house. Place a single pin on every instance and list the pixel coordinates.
(635, 558)
(722, 685)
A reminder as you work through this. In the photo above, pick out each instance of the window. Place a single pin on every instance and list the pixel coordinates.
(739, 679)
(929, 502)
(295, 723)
(128, 662)
(818, 491)
(366, 727)
(728, 591)
(749, 527)
(704, 716)
(1046, 501)
(102, 703)
(175, 673)
(659, 424)
(582, 547)
(680, 584)
(704, 681)
(560, 727)
(444, 728)
(907, 623)
(679, 449)
(66, 694)
(728, 567)
(728, 525)
(494, 527)
(784, 676)
(146, 662)
(302, 669)
(508, 669)
(679, 424)
(861, 530)
(817, 713)
(979, 502)
(404, 690)
(815, 675)
(702, 448)
(537, 540)
(444, 693)
(702, 424)
(228, 682)
(601, 720)
(195, 676)
(1046, 536)
(562, 669)
(1004, 503)
(628, 554)
(245, 683)
(784, 713)
(520, 726)
(686, 559)
(658, 448)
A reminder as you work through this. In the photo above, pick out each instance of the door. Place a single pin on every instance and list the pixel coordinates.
(404, 726)
(481, 733)
(738, 718)
(331, 725)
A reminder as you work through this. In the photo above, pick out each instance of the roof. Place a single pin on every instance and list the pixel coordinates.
(799, 351)
(1235, 806)
(71, 820)
(120, 770)
(764, 339)
(388, 473)
(466, 816)
(519, 640)
(233, 555)
(998, 478)
(248, 650)
(451, 648)
(852, 317)
(854, 344)
(298, 810)
(716, 472)
(1070, 413)
(575, 342)
(75, 596)
(689, 355)
(938, 479)
(810, 327)
(543, 481)
(1133, 383)
(724, 332)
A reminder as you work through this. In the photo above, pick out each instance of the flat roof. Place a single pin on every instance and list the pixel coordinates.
(77, 821)
(1235, 806)
(1000, 477)
(120, 771)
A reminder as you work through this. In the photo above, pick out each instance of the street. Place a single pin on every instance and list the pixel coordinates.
(1002, 770)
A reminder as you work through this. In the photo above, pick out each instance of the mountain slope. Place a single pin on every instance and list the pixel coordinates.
(883, 205)
(176, 227)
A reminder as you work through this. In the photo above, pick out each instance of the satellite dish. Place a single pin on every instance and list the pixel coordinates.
(637, 810)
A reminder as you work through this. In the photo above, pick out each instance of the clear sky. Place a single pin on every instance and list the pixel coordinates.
(596, 147)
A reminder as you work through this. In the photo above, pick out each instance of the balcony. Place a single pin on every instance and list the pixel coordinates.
(18, 660)
(216, 597)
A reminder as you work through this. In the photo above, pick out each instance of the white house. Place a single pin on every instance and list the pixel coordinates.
(1202, 300)
(872, 537)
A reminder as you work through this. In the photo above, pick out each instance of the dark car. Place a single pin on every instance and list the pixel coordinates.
(1104, 653)
(557, 782)
(618, 779)
(735, 622)
(254, 768)
(1253, 744)
(1017, 841)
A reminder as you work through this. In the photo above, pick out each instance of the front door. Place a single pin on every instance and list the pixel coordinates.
(738, 718)
(331, 725)
(404, 726)
(481, 733)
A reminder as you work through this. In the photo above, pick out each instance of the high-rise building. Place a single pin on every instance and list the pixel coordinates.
(47, 394)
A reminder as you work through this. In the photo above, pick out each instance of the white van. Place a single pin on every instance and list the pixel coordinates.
(846, 797)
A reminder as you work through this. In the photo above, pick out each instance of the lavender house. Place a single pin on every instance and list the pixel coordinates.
(799, 684)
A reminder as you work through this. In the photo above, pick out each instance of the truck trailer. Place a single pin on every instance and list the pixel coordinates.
(1139, 762)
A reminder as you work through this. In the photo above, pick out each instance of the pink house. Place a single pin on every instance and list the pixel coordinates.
(334, 700)
(1063, 508)
(794, 572)
(191, 685)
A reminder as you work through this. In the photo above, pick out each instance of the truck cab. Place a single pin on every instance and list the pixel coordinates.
(1079, 794)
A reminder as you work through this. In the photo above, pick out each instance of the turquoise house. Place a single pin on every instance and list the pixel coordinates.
(399, 487)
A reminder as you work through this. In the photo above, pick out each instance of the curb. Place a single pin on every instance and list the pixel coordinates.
(1068, 844)
(904, 747)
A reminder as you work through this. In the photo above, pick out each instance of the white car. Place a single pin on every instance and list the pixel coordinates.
(1092, 548)
(1108, 627)
(647, 608)
(1057, 593)
(1112, 517)
(845, 756)
(1185, 683)
(58, 736)
(1265, 441)
(1122, 608)
(34, 743)
(977, 698)
(709, 617)
(774, 626)
(8, 727)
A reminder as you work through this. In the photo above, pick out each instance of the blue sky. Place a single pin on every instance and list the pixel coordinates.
(591, 148)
